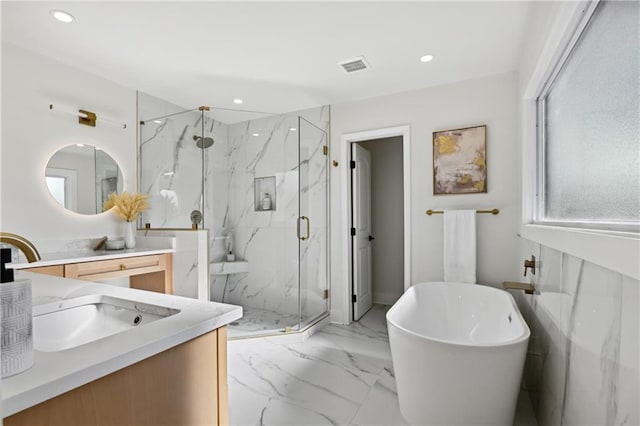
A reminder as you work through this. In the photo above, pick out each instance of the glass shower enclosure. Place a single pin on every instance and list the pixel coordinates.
(260, 185)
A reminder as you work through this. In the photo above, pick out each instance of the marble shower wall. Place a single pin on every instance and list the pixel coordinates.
(268, 148)
(583, 359)
(171, 168)
(171, 171)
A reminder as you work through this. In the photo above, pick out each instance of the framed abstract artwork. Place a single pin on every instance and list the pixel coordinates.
(460, 161)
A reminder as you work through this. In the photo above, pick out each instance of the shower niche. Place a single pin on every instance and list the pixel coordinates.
(264, 194)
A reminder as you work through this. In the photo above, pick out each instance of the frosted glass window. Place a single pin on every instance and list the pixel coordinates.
(590, 128)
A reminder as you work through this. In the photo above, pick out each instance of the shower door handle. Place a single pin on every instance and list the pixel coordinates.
(308, 228)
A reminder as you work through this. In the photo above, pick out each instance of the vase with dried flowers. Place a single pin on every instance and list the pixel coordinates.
(128, 207)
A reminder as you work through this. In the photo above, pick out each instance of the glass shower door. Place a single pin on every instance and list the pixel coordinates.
(312, 222)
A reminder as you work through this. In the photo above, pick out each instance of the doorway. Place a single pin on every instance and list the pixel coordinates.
(344, 302)
(377, 223)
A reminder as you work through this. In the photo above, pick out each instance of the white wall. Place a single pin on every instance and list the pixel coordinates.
(387, 218)
(491, 101)
(31, 134)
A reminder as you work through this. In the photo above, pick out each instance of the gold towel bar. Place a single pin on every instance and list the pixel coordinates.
(494, 211)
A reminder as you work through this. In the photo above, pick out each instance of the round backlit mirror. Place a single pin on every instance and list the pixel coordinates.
(81, 177)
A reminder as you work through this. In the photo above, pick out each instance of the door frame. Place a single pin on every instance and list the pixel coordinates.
(345, 156)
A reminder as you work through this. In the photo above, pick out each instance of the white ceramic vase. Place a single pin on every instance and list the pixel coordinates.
(130, 234)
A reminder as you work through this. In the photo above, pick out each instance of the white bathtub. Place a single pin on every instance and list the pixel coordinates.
(458, 351)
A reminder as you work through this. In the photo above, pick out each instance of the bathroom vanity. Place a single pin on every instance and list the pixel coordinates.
(147, 269)
(168, 368)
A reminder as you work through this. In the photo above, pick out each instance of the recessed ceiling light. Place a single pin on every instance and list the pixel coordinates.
(237, 101)
(426, 58)
(255, 134)
(62, 16)
(292, 129)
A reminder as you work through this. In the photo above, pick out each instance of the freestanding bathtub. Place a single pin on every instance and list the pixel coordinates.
(458, 352)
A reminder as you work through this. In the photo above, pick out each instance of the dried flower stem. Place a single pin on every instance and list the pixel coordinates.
(127, 206)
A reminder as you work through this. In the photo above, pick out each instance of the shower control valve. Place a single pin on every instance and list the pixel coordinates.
(531, 263)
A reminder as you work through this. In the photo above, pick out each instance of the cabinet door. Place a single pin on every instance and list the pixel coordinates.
(180, 386)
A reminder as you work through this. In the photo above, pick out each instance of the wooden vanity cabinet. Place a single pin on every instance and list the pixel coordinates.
(151, 272)
(184, 385)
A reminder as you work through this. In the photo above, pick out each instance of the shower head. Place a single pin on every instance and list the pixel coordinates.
(203, 142)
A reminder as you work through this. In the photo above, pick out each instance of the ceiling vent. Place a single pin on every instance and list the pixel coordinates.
(355, 64)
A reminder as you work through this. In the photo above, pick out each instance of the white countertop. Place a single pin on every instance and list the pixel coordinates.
(54, 373)
(62, 258)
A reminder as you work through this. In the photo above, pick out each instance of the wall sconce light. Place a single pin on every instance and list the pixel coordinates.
(89, 118)
(85, 117)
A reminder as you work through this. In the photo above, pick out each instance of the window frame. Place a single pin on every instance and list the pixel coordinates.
(541, 139)
(613, 247)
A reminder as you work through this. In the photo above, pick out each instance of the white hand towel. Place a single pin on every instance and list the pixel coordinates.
(460, 246)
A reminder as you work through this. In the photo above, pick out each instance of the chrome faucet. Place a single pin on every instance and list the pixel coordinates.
(21, 243)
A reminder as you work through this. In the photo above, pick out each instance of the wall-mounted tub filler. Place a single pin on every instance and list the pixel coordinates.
(527, 287)
(530, 264)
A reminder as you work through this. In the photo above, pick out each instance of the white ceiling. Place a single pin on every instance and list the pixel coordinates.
(277, 57)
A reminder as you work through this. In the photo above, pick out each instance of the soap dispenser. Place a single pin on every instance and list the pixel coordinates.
(266, 202)
(17, 327)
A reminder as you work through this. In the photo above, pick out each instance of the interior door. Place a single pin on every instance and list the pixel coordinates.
(361, 227)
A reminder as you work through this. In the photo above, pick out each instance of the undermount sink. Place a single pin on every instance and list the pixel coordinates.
(74, 322)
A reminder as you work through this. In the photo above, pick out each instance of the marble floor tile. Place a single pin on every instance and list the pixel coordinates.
(379, 408)
(342, 375)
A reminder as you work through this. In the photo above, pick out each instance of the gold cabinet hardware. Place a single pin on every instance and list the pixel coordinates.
(123, 267)
(531, 263)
